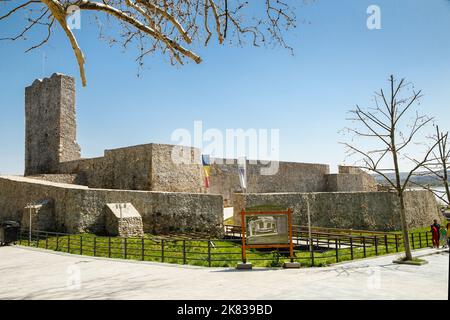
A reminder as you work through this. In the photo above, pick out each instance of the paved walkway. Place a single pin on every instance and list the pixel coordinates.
(27, 273)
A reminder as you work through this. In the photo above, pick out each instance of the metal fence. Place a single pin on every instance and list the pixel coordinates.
(327, 247)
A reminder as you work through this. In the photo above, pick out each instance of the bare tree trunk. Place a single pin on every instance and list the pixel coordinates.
(398, 181)
(447, 189)
(404, 227)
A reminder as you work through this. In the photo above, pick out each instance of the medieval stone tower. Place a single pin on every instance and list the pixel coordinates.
(50, 124)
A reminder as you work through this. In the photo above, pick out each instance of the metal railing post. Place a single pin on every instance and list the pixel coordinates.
(184, 251)
(337, 250)
(46, 240)
(109, 247)
(209, 253)
(420, 239)
(386, 244)
(376, 245)
(396, 242)
(426, 237)
(143, 249)
(81, 245)
(68, 244)
(351, 247)
(162, 250)
(364, 246)
(95, 246)
(57, 242)
(412, 240)
(125, 253)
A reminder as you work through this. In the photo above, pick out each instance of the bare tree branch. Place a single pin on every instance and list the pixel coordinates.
(170, 26)
(49, 32)
(18, 8)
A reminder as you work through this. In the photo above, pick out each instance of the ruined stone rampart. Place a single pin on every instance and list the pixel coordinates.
(290, 177)
(357, 210)
(148, 167)
(81, 209)
(351, 179)
(59, 178)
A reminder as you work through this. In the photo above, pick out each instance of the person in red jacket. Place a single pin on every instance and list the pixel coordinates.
(435, 234)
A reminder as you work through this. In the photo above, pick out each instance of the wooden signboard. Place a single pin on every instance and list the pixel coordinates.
(266, 229)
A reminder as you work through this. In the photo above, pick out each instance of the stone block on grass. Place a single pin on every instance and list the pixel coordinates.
(123, 220)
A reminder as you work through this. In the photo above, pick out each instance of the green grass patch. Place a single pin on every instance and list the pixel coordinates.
(229, 221)
(218, 253)
(265, 208)
(413, 261)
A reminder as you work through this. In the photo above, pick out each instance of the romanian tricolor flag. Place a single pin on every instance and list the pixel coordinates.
(207, 168)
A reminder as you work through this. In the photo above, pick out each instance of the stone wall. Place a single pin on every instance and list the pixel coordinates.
(357, 210)
(92, 172)
(42, 215)
(351, 179)
(146, 167)
(81, 209)
(351, 182)
(350, 170)
(127, 168)
(290, 177)
(59, 178)
(50, 124)
(176, 176)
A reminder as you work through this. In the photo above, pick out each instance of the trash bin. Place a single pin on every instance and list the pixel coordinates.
(9, 232)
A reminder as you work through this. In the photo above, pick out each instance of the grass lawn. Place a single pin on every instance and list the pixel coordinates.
(222, 253)
(228, 222)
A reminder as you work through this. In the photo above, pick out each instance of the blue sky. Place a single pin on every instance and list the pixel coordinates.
(338, 63)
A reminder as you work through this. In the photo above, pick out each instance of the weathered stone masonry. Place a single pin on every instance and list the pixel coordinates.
(357, 210)
(290, 177)
(50, 136)
(81, 209)
(146, 167)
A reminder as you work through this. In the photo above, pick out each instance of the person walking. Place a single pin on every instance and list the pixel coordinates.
(435, 233)
(443, 237)
(448, 234)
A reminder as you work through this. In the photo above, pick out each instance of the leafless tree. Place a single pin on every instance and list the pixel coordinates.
(166, 26)
(388, 131)
(439, 166)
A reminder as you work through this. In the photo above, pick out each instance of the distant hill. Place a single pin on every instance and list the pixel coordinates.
(423, 179)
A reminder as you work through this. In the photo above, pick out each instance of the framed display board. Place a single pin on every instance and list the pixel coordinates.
(266, 229)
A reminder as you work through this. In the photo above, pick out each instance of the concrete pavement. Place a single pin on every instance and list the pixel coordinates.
(27, 273)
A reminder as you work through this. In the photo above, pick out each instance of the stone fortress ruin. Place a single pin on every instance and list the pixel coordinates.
(132, 190)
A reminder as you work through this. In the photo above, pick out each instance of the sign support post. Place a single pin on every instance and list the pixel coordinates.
(244, 240)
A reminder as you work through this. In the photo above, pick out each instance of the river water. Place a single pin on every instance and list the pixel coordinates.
(440, 190)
